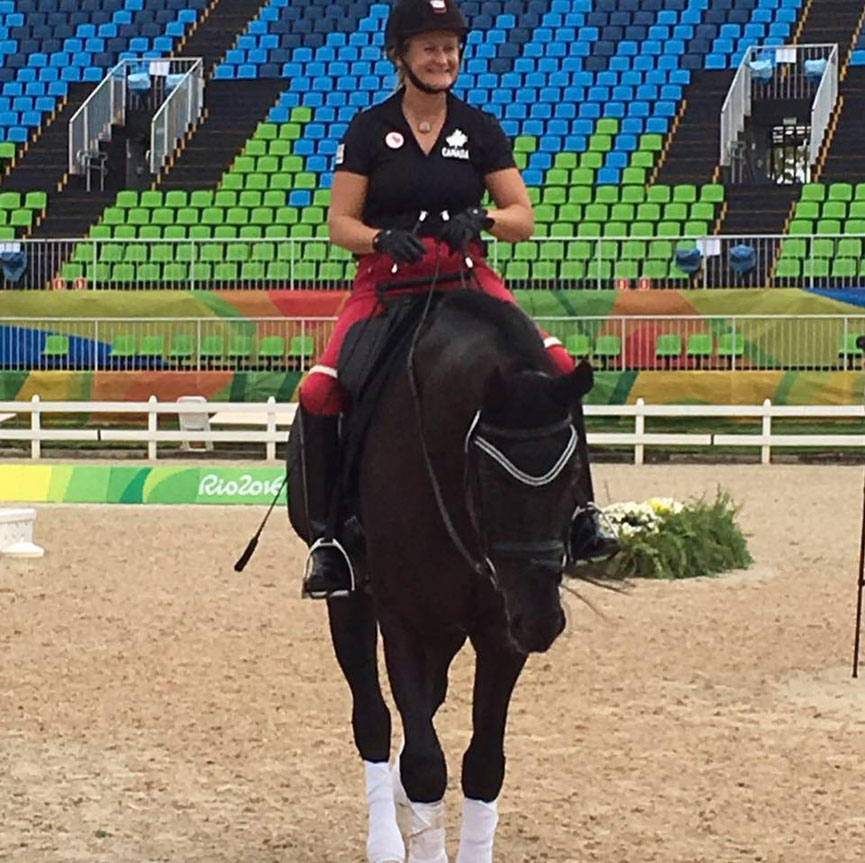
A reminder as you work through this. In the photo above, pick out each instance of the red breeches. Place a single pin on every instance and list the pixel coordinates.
(321, 392)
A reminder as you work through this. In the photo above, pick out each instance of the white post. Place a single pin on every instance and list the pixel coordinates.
(766, 449)
(35, 426)
(151, 430)
(270, 446)
(639, 431)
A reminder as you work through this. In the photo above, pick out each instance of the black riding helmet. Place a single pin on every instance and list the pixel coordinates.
(413, 17)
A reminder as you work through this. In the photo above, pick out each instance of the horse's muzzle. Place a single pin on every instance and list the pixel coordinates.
(532, 634)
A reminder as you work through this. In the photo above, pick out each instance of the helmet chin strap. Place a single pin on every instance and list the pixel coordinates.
(433, 91)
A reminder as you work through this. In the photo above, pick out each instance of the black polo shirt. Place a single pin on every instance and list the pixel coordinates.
(403, 180)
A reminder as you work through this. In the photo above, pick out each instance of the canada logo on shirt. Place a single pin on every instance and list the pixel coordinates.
(456, 145)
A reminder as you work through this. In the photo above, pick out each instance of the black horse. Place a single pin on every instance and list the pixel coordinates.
(468, 478)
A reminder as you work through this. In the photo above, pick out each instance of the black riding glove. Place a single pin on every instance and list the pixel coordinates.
(458, 231)
(401, 246)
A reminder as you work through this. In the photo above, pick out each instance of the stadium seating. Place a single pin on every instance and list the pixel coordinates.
(829, 212)
(47, 44)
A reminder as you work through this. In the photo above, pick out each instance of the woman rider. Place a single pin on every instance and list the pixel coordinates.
(422, 151)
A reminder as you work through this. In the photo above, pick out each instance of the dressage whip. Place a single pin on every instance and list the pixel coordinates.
(859, 592)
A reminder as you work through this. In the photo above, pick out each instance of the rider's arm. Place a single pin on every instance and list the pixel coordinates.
(513, 215)
(344, 223)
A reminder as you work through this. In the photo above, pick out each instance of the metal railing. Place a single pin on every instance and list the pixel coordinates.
(789, 75)
(734, 111)
(177, 83)
(146, 429)
(824, 105)
(162, 344)
(545, 263)
(178, 112)
(92, 122)
(619, 342)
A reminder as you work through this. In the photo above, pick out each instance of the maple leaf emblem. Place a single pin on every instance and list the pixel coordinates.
(458, 139)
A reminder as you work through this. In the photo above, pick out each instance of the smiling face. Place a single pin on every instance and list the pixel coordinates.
(434, 58)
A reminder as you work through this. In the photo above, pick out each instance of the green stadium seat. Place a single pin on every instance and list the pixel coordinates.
(201, 198)
(849, 247)
(240, 348)
(252, 271)
(289, 131)
(607, 194)
(655, 270)
(175, 272)
(225, 271)
(212, 349)
(122, 347)
(659, 194)
(635, 176)
(633, 250)
(712, 193)
(572, 270)
(834, 210)
(642, 159)
(685, 193)
(668, 346)
(847, 346)
(56, 347)
(176, 198)
(608, 347)
(845, 268)
(813, 192)
(123, 272)
(579, 345)
(200, 271)
(127, 199)
(301, 348)
(700, 346)
(271, 350)
(151, 199)
(10, 200)
(633, 195)
(182, 348)
(730, 345)
(152, 347)
(840, 192)
(643, 229)
(255, 147)
(233, 182)
(788, 268)
(544, 270)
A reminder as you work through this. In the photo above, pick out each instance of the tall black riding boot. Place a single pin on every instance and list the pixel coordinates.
(591, 537)
(328, 571)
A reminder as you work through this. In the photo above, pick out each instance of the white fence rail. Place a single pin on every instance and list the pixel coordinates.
(273, 416)
(650, 262)
(617, 342)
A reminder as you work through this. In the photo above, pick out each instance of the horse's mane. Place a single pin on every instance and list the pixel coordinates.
(513, 328)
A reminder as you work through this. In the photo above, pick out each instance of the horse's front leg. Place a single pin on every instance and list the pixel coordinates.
(497, 668)
(354, 632)
(420, 779)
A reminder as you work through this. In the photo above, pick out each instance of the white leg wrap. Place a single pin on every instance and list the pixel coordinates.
(422, 823)
(384, 842)
(478, 831)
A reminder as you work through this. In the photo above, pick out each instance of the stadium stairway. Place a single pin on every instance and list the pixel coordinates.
(845, 161)
(828, 22)
(233, 111)
(690, 154)
(43, 162)
(218, 30)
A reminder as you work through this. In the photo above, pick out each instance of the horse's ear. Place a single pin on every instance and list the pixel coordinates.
(495, 390)
(568, 388)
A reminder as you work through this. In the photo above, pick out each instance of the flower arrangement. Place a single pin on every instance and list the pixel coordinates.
(665, 538)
